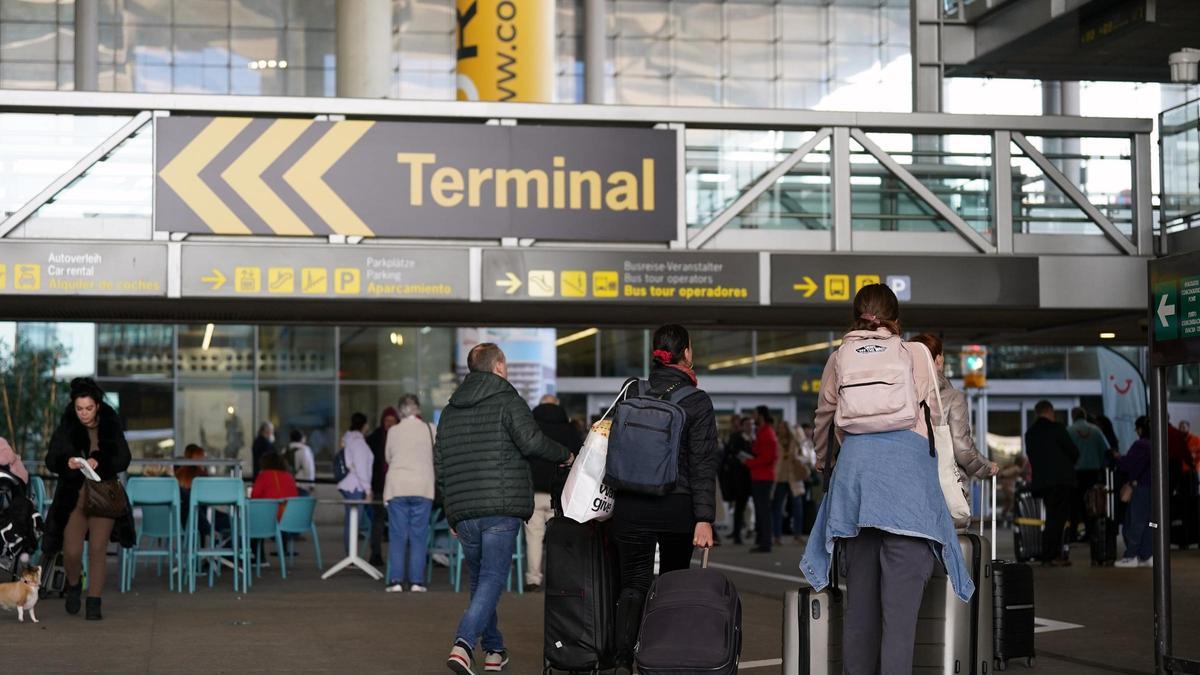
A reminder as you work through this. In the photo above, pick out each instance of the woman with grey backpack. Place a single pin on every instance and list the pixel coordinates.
(884, 502)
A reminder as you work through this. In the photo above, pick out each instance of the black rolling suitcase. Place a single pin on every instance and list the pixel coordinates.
(580, 597)
(1012, 611)
(1102, 530)
(1028, 522)
(692, 624)
(54, 577)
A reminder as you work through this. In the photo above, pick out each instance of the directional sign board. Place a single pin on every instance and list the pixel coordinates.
(312, 272)
(299, 177)
(1175, 309)
(82, 268)
(633, 277)
(919, 280)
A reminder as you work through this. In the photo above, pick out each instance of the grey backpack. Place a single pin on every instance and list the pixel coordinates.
(643, 444)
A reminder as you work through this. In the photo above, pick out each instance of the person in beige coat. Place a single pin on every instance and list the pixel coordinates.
(408, 492)
(971, 464)
(790, 474)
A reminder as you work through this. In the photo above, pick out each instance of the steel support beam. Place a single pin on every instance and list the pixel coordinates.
(1075, 195)
(756, 190)
(1160, 514)
(595, 41)
(1143, 208)
(1002, 191)
(841, 222)
(965, 230)
(87, 45)
(75, 172)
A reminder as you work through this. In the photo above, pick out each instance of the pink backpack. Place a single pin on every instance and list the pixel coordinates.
(876, 389)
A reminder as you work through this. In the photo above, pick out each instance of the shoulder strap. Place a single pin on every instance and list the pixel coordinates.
(620, 396)
(679, 392)
(937, 391)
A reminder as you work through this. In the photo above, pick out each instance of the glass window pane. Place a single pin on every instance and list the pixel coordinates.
(26, 10)
(216, 351)
(722, 352)
(155, 12)
(219, 418)
(379, 353)
(750, 59)
(697, 58)
(798, 353)
(201, 13)
(427, 51)
(576, 352)
(426, 16)
(697, 91)
(265, 13)
(202, 46)
(697, 19)
(637, 18)
(642, 57)
(309, 48)
(307, 407)
(750, 21)
(28, 76)
(370, 400)
(148, 411)
(438, 376)
(855, 24)
(258, 43)
(312, 13)
(135, 350)
(749, 93)
(295, 352)
(28, 41)
(623, 352)
(643, 90)
(804, 23)
(150, 44)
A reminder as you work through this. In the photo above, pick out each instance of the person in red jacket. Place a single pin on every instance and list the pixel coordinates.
(762, 476)
(274, 481)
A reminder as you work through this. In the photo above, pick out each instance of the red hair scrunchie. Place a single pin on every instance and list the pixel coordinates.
(663, 355)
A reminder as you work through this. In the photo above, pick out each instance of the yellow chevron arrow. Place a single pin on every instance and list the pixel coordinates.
(245, 176)
(306, 177)
(182, 174)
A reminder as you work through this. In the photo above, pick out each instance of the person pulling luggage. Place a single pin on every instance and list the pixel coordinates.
(680, 520)
(884, 500)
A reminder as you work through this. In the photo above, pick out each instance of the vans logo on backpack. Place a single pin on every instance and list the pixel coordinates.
(871, 349)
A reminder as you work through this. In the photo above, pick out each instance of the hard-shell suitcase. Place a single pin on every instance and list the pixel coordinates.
(1027, 526)
(580, 590)
(1102, 530)
(812, 631)
(955, 637)
(692, 624)
(1012, 612)
(54, 577)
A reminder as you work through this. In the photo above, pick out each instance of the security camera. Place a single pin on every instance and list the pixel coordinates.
(1185, 65)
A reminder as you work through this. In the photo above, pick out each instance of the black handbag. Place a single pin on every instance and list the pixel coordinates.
(104, 499)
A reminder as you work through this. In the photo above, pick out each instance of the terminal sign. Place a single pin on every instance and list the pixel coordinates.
(309, 272)
(635, 277)
(74, 268)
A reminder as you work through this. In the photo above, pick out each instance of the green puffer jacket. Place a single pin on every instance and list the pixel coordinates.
(484, 441)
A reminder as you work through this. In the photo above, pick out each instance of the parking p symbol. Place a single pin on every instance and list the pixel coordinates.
(901, 285)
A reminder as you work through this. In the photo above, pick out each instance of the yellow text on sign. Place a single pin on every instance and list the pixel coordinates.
(574, 283)
(604, 284)
(314, 280)
(281, 280)
(247, 279)
(837, 287)
(347, 281)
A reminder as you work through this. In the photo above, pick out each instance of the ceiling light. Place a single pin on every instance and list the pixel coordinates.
(229, 410)
(1108, 336)
(208, 333)
(778, 354)
(272, 63)
(396, 339)
(713, 178)
(575, 337)
(253, 65)
(166, 443)
(283, 64)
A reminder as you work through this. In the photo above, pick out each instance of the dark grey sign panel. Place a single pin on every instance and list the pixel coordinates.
(952, 281)
(644, 277)
(234, 175)
(320, 272)
(1175, 309)
(82, 268)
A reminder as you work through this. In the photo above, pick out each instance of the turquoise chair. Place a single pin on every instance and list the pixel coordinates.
(298, 519)
(261, 524)
(158, 499)
(518, 557)
(37, 492)
(218, 492)
(438, 526)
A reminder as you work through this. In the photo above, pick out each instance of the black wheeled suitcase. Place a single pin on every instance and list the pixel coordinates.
(580, 597)
(1028, 522)
(955, 637)
(54, 577)
(1102, 530)
(812, 631)
(692, 624)
(1012, 611)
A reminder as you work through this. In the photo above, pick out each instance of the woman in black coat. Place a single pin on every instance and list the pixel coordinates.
(90, 431)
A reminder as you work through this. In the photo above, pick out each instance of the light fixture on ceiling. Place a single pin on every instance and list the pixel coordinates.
(267, 64)
(208, 333)
(166, 443)
(1108, 336)
(777, 354)
(396, 339)
(575, 337)
(229, 410)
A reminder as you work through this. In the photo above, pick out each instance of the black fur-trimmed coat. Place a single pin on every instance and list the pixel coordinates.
(70, 439)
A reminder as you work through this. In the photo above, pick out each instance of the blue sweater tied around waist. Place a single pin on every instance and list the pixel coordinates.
(889, 482)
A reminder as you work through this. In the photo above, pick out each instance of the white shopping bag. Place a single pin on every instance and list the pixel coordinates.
(585, 496)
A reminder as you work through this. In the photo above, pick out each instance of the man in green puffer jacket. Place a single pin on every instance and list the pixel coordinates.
(485, 439)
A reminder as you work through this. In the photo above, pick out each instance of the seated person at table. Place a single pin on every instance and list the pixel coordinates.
(274, 480)
(185, 475)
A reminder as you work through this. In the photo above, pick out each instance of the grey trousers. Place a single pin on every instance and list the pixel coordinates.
(885, 578)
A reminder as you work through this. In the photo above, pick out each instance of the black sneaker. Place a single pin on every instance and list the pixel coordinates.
(93, 610)
(72, 594)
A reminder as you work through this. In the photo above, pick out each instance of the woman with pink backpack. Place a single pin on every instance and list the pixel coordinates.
(878, 398)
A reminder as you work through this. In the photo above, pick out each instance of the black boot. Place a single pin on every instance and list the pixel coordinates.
(72, 593)
(93, 609)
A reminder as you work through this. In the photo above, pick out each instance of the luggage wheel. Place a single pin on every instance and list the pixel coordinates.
(1001, 664)
(1029, 662)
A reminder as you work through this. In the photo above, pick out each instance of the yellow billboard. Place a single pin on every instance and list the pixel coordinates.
(505, 50)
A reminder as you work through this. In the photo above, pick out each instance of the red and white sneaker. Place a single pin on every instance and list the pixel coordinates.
(459, 661)
(494, 662)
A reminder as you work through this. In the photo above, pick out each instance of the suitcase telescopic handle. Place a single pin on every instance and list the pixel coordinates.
(704, 558)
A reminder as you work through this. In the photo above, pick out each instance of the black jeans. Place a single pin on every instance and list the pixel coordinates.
(635, 555)
(1058, 501)
(378, 523)
(738, 506)
(760, 491)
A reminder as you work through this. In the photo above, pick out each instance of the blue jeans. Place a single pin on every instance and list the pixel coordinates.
(408, 524)
(1139, 538)
(364, 520)
(488, 545)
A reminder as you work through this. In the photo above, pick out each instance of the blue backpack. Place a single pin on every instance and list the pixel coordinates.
(340, 470)
(643, 444)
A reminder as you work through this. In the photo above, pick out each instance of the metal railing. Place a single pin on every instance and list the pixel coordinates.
(81, 165)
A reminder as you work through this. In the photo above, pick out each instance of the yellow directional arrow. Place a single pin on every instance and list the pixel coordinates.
(807, 288)
(307, 177)
(183, 175)
(245, 176)
(512, 283)
(216, 279)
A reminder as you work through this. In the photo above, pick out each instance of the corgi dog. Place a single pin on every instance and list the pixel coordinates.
(22, 594)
